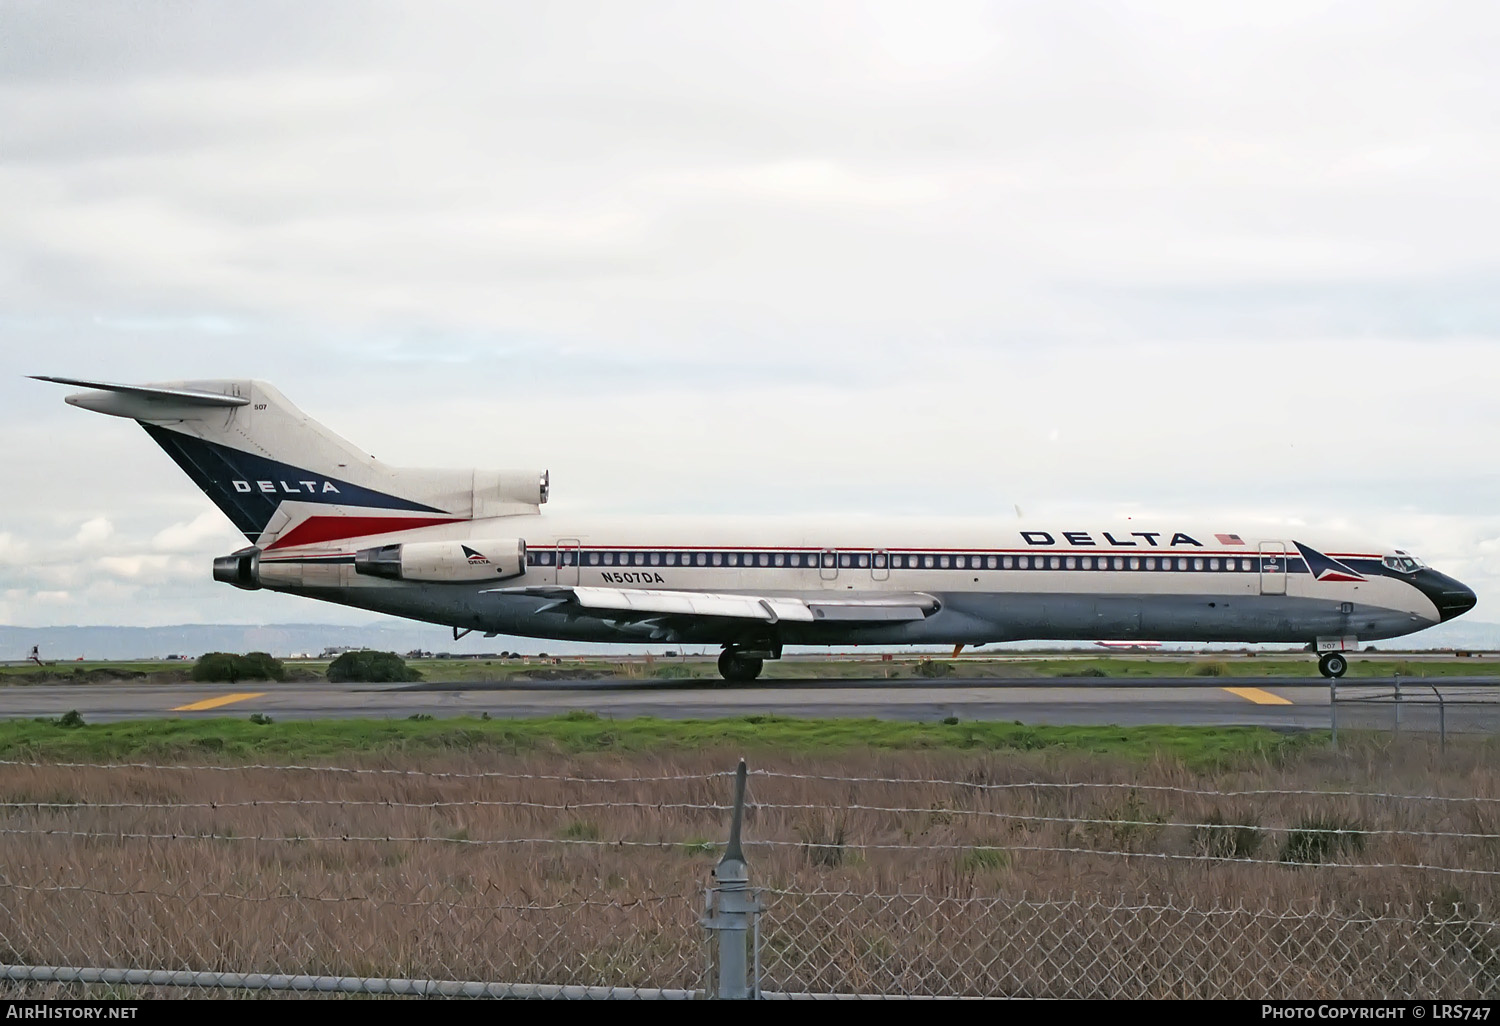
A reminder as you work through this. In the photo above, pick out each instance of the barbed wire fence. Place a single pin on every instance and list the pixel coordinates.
(134, 879)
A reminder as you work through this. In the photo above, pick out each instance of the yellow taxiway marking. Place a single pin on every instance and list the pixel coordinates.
(1259, 696)
(214, 703)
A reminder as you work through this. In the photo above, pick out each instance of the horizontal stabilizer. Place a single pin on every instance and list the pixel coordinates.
(768, 608)
(176, 396)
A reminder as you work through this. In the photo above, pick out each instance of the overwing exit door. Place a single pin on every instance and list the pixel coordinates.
(828, 567)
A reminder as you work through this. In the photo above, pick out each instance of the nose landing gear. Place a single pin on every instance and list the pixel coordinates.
(1332, 664)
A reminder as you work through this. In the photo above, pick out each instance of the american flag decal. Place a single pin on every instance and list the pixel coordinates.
(1230, 539)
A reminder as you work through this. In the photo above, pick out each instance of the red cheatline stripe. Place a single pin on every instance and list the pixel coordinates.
(1039, 550)
(321, 529)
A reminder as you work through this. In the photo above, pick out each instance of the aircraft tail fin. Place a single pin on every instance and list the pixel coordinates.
(286, 480)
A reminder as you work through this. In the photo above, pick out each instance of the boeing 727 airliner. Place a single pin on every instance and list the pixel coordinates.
(472, 550)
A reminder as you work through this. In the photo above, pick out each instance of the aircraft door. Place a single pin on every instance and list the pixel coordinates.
(1273, 568)
(567, 561)
(880, 565)
(828, 566)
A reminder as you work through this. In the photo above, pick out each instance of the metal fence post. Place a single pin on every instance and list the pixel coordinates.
(1396, 731)
(1442, 719)
(733, 911)
(1333, 709)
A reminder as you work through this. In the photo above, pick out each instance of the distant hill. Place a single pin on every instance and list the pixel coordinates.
(65, 644)
(1462, 633)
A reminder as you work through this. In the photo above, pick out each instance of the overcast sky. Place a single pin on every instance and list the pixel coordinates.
(1091, 259)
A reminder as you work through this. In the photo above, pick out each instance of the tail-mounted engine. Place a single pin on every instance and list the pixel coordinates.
(445, 561)
(241, 569)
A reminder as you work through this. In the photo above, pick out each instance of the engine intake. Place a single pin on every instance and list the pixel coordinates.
(446, 561)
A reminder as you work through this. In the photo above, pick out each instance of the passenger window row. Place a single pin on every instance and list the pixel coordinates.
(572, 557)
(899, 561)
(1210, 564)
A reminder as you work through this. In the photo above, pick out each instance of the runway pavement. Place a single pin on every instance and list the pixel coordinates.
(1272, 702)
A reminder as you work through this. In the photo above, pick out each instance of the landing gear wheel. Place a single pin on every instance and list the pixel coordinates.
(1332, 664)
(737, 667)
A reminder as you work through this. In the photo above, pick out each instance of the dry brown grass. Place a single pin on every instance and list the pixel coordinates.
(626, 915)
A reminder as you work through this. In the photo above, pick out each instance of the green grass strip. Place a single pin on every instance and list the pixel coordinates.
(240, 739)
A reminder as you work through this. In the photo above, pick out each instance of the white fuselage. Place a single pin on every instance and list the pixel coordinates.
(991, 582)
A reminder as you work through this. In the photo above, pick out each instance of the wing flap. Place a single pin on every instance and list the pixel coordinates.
(844, 612)
(738, 606)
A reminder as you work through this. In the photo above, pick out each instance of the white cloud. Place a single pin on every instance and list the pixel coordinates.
(131, 566)
(806, 181)
(94, 532)
(12, 549)
(191, 536)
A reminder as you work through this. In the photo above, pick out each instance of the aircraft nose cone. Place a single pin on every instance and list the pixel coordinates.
(1455, 600)
(1449, 596)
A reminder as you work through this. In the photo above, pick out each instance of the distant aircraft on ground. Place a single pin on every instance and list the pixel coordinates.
(1128, 644)
(471, 549)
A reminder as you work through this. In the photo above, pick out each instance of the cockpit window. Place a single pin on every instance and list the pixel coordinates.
(1403, 563)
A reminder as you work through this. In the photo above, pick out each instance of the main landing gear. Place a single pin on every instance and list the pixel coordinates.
(740, 665)
(737, 667)
(1332, 664)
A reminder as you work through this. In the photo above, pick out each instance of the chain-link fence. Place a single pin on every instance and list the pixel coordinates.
(135, 881)
(1415, 707)
(824, 943)
(407, 937)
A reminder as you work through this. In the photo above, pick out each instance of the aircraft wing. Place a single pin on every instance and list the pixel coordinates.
(656, 603)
